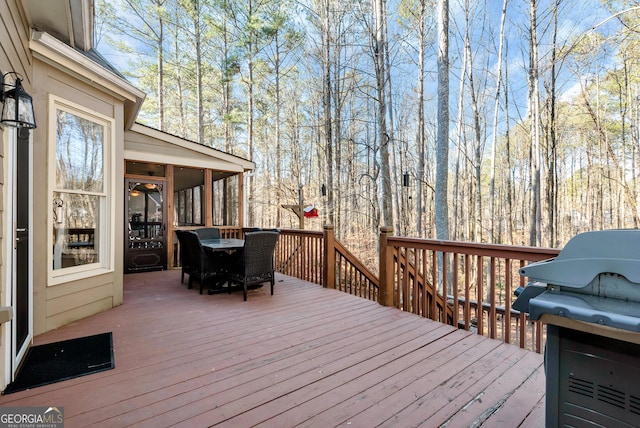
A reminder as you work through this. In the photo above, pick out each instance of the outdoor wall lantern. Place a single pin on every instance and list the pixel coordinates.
(405, 179)
(18, 105)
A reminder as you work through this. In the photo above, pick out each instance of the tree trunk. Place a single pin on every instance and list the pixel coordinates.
(383, 135)
(161, 68)
(552, 179)
(534, 121)
(477, 141)
(442, 140)
(420, 143)
(458, 208)
(278, 160)
(250, 111)
(326, 96)
(496, 108)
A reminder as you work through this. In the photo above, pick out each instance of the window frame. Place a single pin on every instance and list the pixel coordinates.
(105, 222)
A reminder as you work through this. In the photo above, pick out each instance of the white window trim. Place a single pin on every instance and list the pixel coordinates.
(107, 212)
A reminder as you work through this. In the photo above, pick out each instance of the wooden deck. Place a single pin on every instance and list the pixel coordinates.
(306, 356)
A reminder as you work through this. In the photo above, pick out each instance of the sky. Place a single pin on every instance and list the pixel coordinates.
(576, 17)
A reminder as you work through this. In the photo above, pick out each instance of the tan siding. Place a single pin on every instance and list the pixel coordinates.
(95, 307)
(68, 290)
(60, 304)
(14, 35)
(146, 146)
(69, 302)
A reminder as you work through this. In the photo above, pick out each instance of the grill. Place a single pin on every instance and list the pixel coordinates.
(589, 298)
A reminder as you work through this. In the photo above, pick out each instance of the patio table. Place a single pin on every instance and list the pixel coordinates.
(212, 246)
(223, 244)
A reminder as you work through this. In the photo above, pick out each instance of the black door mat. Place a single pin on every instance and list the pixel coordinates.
(55, 362)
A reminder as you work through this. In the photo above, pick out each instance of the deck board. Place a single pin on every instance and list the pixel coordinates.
(306, 356)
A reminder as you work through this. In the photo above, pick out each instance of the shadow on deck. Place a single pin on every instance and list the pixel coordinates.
(306, 356)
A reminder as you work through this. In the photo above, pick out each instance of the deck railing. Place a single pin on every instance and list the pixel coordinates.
(318, 257)
(468, 285)
(299, 253)
(475, 280)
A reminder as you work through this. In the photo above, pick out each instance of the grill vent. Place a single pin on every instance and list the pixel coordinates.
(582, 387)
(604, 394)
(634, 405)
(612, 396)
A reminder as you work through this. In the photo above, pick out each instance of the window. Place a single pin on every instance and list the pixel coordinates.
(80, 191)
(188, 200)
(226, 203)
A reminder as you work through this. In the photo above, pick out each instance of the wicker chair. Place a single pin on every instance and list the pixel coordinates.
(254, 263)
(203, 266)
(184, 255)
(208, 233)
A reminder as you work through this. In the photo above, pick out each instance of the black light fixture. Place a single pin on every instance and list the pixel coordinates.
(405, 179)
(323, 190)
(18, 105)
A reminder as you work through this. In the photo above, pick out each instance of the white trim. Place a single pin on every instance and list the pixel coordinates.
(9, 195)
(107, 215)
(57, 54)
(9, 135)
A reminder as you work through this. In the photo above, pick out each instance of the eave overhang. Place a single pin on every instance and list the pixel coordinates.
(52, 51)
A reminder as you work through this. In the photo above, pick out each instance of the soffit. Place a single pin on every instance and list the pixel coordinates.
(70, 21)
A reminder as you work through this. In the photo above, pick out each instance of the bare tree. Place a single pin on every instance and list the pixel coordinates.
(421, 134)
(194, 12)
(380, 45)
(442, 141)
(494, 142)
(535, 216)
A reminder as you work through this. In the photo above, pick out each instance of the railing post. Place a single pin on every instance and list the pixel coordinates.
(386, 268)
(329, 267)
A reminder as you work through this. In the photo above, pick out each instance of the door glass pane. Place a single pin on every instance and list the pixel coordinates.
(145, 216)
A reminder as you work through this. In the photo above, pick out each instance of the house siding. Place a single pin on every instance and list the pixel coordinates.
(146, 148)
(58, 304)
(14, 33)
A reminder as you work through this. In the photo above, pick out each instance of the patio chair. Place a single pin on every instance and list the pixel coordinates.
(254, 263)
(208, 233)
(203, 265)
(246, 230)
(184, 255)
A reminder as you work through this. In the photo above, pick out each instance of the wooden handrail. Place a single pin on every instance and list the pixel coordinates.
(357, 264)
(465, 284)
(475, 280)
(479, 249)
(320, 258)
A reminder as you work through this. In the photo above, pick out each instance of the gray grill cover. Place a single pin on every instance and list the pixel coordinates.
(595, 278)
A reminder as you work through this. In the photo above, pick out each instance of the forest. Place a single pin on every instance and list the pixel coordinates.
(498, 121)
